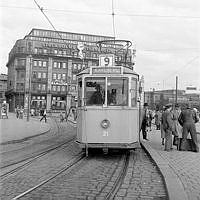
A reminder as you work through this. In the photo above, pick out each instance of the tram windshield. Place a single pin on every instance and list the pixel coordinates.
(95, 91)
(117, 92)
(95, 87)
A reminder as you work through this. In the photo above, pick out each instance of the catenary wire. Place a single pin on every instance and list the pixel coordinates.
(103, 13)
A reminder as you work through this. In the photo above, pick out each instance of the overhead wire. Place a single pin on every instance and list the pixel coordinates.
(42, 10)
(113, 18)
(182, 67)
(104, 13)
(113, 24)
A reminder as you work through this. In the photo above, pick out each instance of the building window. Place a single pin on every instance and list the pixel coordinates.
(34, 74)
(55, 64)
(43, 87)
(45, 51)
(21, 62)
(54, 88)
(39, 74)
(40, 63)
(74, 77)
(79, 66)
(35, 63)
(44, 63)
(35, 50)
(58, 88)
(39, 86)
(54, 76)
(64, 65)
(59, 76)
(55, 51)
(34, 86)
(44, 75)
(74, 66)
(63, 76)
(94, 55)
(63, 88)
(59, 65)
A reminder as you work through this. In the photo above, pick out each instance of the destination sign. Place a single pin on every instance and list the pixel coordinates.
(106, 70)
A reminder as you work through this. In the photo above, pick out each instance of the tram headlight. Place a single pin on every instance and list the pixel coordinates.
(105, 123)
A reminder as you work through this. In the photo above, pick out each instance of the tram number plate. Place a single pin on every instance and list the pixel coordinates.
(105, 133)
(106, 60)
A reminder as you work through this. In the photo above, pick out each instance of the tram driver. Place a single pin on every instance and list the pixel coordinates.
(97, 96)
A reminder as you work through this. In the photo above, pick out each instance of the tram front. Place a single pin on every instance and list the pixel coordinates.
(108, 110)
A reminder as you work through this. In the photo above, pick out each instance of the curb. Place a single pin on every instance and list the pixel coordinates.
(173, 185)
(24, 139)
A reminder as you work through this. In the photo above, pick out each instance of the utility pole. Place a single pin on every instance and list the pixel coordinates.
(29, 89)
(176, 89)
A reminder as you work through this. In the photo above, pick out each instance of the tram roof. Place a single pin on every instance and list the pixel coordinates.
(126, 70)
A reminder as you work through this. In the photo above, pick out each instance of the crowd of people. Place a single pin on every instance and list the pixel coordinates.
(176, 125)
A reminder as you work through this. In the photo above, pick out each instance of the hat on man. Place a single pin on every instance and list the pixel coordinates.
(176, 105)
(169, 105)
(188, 105)
(146, 104)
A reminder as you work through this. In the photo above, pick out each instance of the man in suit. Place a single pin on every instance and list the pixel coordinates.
(188, 119)
(144, 120)
(168, 126)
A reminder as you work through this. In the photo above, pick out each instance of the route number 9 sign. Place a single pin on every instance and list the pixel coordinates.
(106, 60)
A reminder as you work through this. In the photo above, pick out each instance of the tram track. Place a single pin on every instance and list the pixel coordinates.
(119, 171)
(68, 166)
(119, 179)
(25, 155)
(95, 177)
(26, 162)
(15, 166)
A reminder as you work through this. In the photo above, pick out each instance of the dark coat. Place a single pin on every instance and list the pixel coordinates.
(167, 121)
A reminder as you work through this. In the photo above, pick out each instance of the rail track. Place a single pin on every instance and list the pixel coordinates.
(17, 165)
(69, 165)
(77, 164)
(26, 162)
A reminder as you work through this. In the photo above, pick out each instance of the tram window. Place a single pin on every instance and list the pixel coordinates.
(79, 92)
(95, 91)
(133, 92)
(117, 92)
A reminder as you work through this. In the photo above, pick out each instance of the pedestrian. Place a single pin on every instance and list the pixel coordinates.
(162, 131)
(21, 113)
(177, 127)
(168, 126)
(61, 117)
(17, 111)
(144, 121)
(44, 115)
(32, 112)
(158, 115)
(187, 119)
(149, 119)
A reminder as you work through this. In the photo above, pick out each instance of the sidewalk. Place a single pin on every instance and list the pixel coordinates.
(15, 130)
(180, 169)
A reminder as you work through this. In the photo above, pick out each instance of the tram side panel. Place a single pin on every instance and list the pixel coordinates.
(123, 128)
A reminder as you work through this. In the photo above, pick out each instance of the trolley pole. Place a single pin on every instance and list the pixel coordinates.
(176, 100)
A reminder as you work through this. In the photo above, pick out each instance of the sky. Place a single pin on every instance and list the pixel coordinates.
(165, 34)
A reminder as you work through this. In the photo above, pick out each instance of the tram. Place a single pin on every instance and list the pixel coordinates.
(108, 107)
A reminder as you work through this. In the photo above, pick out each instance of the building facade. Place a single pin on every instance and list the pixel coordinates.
(42, 67)
(3, 87)
(159, 98)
